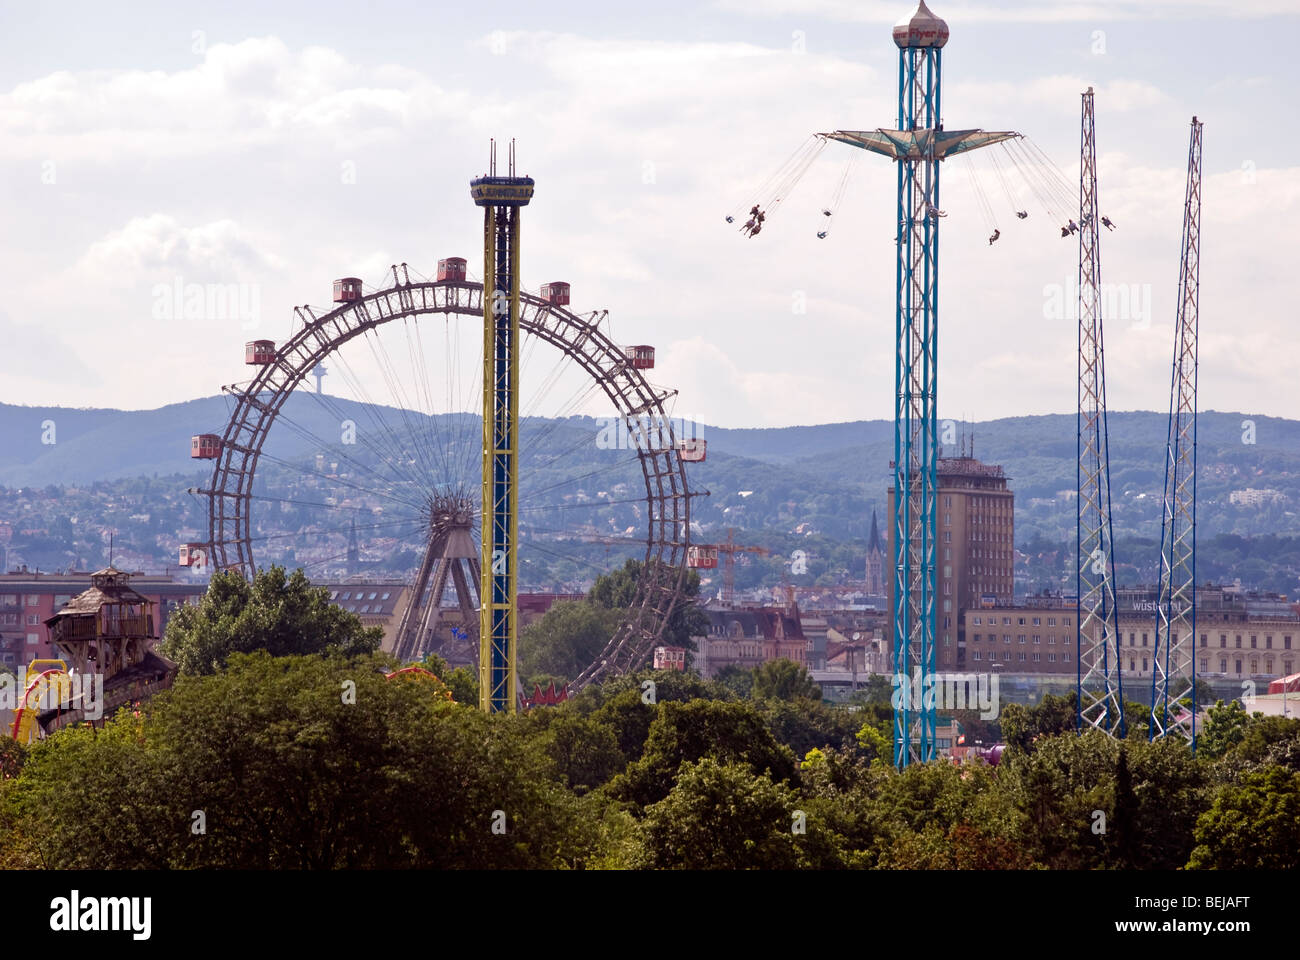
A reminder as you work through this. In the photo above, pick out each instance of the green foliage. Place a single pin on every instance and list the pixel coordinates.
(584, 751)
(721, 816)
(688, 732)
(737, 679)
(279, 613)
(1023, 726)
(1225, 727)
(783, 680)
(1251, 826)
(289, 774)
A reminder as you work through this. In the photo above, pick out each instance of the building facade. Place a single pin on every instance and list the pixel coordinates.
(975, 551)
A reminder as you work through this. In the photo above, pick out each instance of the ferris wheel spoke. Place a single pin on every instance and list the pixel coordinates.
(384, 433)
(334, 450)
(429, 457)
(289, 464)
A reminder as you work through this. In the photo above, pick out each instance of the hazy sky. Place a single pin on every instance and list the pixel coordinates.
(279, 146)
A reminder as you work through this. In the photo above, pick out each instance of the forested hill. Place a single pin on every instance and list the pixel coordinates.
(828, 476)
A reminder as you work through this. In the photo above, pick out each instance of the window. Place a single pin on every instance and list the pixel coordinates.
(1223, 640)
(1238, 667)
(947, 640)
(1203, 639)
(1254, 665)
(1020, 638)
(33, 638)
(33, 619)
(1051, 639)
(1286, 643)
(346, 596)
(1021, 622)
(1268, 643)
(977, 638)
(385, 596)
(1144, 640)
(1238, 641)
(1065, 641)
(1132, 639)
(1038, 638)
(1268, 666)
(1006, 638)
(33, 599)
(1132, 667)
(1288, 667)
(1006, 621)
(1254, 641)
(334, 594)
(1065, 658)
(1051, 621)
(1006, 654)
(977, 622)
(1021, 656)
(1065, 621)
(1051, 657)
(1037, 657)
(1144, 664)
(1223, 666)
(977, 655)
(947, 536)
(1038, 621)
(373, 595)
(947, 519)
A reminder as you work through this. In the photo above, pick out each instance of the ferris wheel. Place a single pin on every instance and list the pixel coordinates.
(393, 455)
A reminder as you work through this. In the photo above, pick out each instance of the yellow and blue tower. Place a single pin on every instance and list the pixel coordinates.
(501, 199)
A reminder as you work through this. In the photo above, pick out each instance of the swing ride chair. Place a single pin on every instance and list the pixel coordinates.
(1019, 167)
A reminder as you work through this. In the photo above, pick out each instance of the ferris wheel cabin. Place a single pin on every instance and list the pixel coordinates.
(347, 290)
(702, 557)
(205, 446)
(556, 294)
(192, 554)
(693, 450)
(258, 353)
(642, 356)
(451, 269)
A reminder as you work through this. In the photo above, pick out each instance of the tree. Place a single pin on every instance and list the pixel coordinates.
(298, 763)
(1225, 727)
(1053, 715)
(721, 816)
(687, 732)
(279, 613)
(783, 680)
(1253, 826)
(566, 639)
(736, 679)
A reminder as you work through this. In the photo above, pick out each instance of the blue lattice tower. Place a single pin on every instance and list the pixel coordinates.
(1173, 676)
(918, 145)
(501, 199)
(1099, 681)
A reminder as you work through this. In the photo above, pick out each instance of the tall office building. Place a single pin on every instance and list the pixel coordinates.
(975, 562)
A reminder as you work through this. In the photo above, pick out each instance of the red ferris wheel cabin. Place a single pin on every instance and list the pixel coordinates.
(205, 446)
(451, 269)
(259, 353)
(702, 557)
(347, 290)
(641, 356)
(556, 294)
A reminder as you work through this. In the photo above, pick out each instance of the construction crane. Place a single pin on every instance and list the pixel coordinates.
(1173, 675)
(1100, 692)
(729, 550)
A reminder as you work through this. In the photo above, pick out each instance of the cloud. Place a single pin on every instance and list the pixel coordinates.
(1024, 11)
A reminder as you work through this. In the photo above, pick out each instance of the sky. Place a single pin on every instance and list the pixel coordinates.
(277, 146)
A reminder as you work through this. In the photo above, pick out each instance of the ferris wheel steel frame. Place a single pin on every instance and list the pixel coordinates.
(667, 492)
